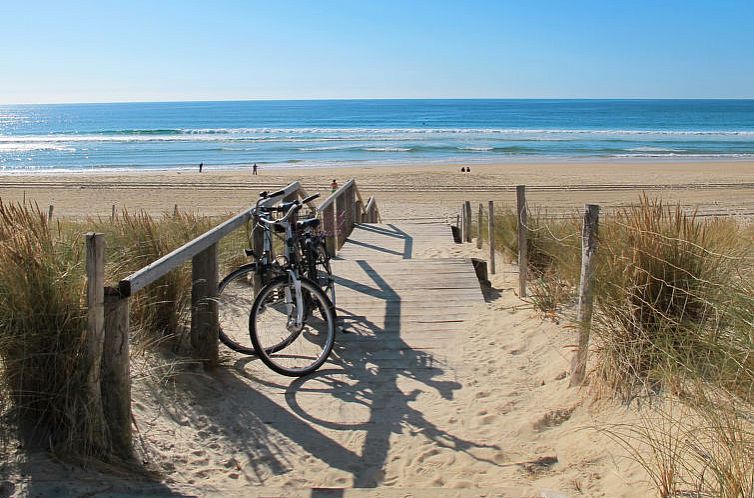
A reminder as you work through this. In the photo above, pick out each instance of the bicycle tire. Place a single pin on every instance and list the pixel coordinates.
(235, 297)
(278, 343)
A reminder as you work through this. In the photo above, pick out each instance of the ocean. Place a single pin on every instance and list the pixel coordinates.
(173, 135)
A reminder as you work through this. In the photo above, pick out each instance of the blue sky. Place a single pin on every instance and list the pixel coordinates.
(102, 51)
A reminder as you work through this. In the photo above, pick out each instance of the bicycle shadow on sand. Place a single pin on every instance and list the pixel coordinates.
(376, 377)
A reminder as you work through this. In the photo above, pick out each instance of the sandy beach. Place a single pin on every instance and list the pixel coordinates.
(498, 414)
(403, 191)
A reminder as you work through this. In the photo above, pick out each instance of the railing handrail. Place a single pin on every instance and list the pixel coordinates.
(145, 276)
(331, 198)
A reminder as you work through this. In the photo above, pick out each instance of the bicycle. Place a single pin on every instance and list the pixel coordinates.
(294, 290)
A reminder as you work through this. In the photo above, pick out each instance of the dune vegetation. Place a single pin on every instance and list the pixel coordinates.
(672, 332)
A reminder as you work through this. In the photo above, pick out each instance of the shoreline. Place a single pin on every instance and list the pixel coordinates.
(286, 167)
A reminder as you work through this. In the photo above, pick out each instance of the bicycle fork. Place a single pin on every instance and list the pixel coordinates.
(297, 323)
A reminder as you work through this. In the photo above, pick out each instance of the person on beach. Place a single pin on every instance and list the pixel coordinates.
(201, 165)
(333, 186)
(463, 170)
(468, 169)
(254, 169)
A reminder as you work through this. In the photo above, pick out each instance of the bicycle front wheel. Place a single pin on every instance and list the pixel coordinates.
(235, 297)
(287, 347)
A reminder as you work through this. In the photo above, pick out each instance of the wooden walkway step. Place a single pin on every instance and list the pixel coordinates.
(386, 295)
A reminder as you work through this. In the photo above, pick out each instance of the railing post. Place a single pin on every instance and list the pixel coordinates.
(116, 374)
(523, 259)
(95, 297)
(341, 218)
(204, 318)
(586, 295)
(467, 208)
(491, 232)
(480, 217)
(328, 225)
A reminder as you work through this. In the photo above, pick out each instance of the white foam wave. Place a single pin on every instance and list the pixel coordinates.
(387, 149)
(28, 147)
(477, 149)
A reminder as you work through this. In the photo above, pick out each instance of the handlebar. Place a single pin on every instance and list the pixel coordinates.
(295, 207)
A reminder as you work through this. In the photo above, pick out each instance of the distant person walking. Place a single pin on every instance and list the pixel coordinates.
(463, 170)
(468, 170)
(254, 169)
(201, 165)
(333, 186)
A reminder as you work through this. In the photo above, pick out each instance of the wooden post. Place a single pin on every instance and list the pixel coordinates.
(523, 259)
(175, 211)
(112, 214)
(467, 207)
(491, 233)
(116, 374)
(328, 225)
(462, 215)
(586, 294)
(49, 213)
(204, 319)
(358, 218)
(480, 217)
(95, 297)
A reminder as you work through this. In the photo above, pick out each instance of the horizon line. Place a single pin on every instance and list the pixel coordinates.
(369, 99)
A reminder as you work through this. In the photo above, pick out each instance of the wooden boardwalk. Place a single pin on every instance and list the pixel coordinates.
(385, 292)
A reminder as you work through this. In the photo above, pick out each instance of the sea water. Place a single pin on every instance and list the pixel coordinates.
(169, 135)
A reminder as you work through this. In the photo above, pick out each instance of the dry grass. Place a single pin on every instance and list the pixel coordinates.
(42, 329)
(674, 301)
(43, 313)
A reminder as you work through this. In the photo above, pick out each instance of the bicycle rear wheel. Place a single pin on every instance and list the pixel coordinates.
(283, 346)
(235, 297)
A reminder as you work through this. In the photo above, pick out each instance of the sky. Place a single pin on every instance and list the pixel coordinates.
(168, 50)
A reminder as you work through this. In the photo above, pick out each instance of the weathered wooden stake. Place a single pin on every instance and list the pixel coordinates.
(479, 227)
(49, 213)
(462, 215)
(95, 297)
(175, 211)
(586, 295)
(467, 211)
(523, 259)
(116, 374)
(491, 232)
(204, 318)
(112, 214)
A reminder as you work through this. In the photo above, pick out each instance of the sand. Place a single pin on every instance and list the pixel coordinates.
(497, 417)
(402, 191)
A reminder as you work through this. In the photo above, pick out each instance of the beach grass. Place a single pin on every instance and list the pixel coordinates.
(674, 302)
(43, 315)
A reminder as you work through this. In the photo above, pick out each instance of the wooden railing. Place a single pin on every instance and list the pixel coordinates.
(108, 306)
(342, 210)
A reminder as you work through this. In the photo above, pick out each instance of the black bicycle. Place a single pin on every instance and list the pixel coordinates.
(291, 324)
